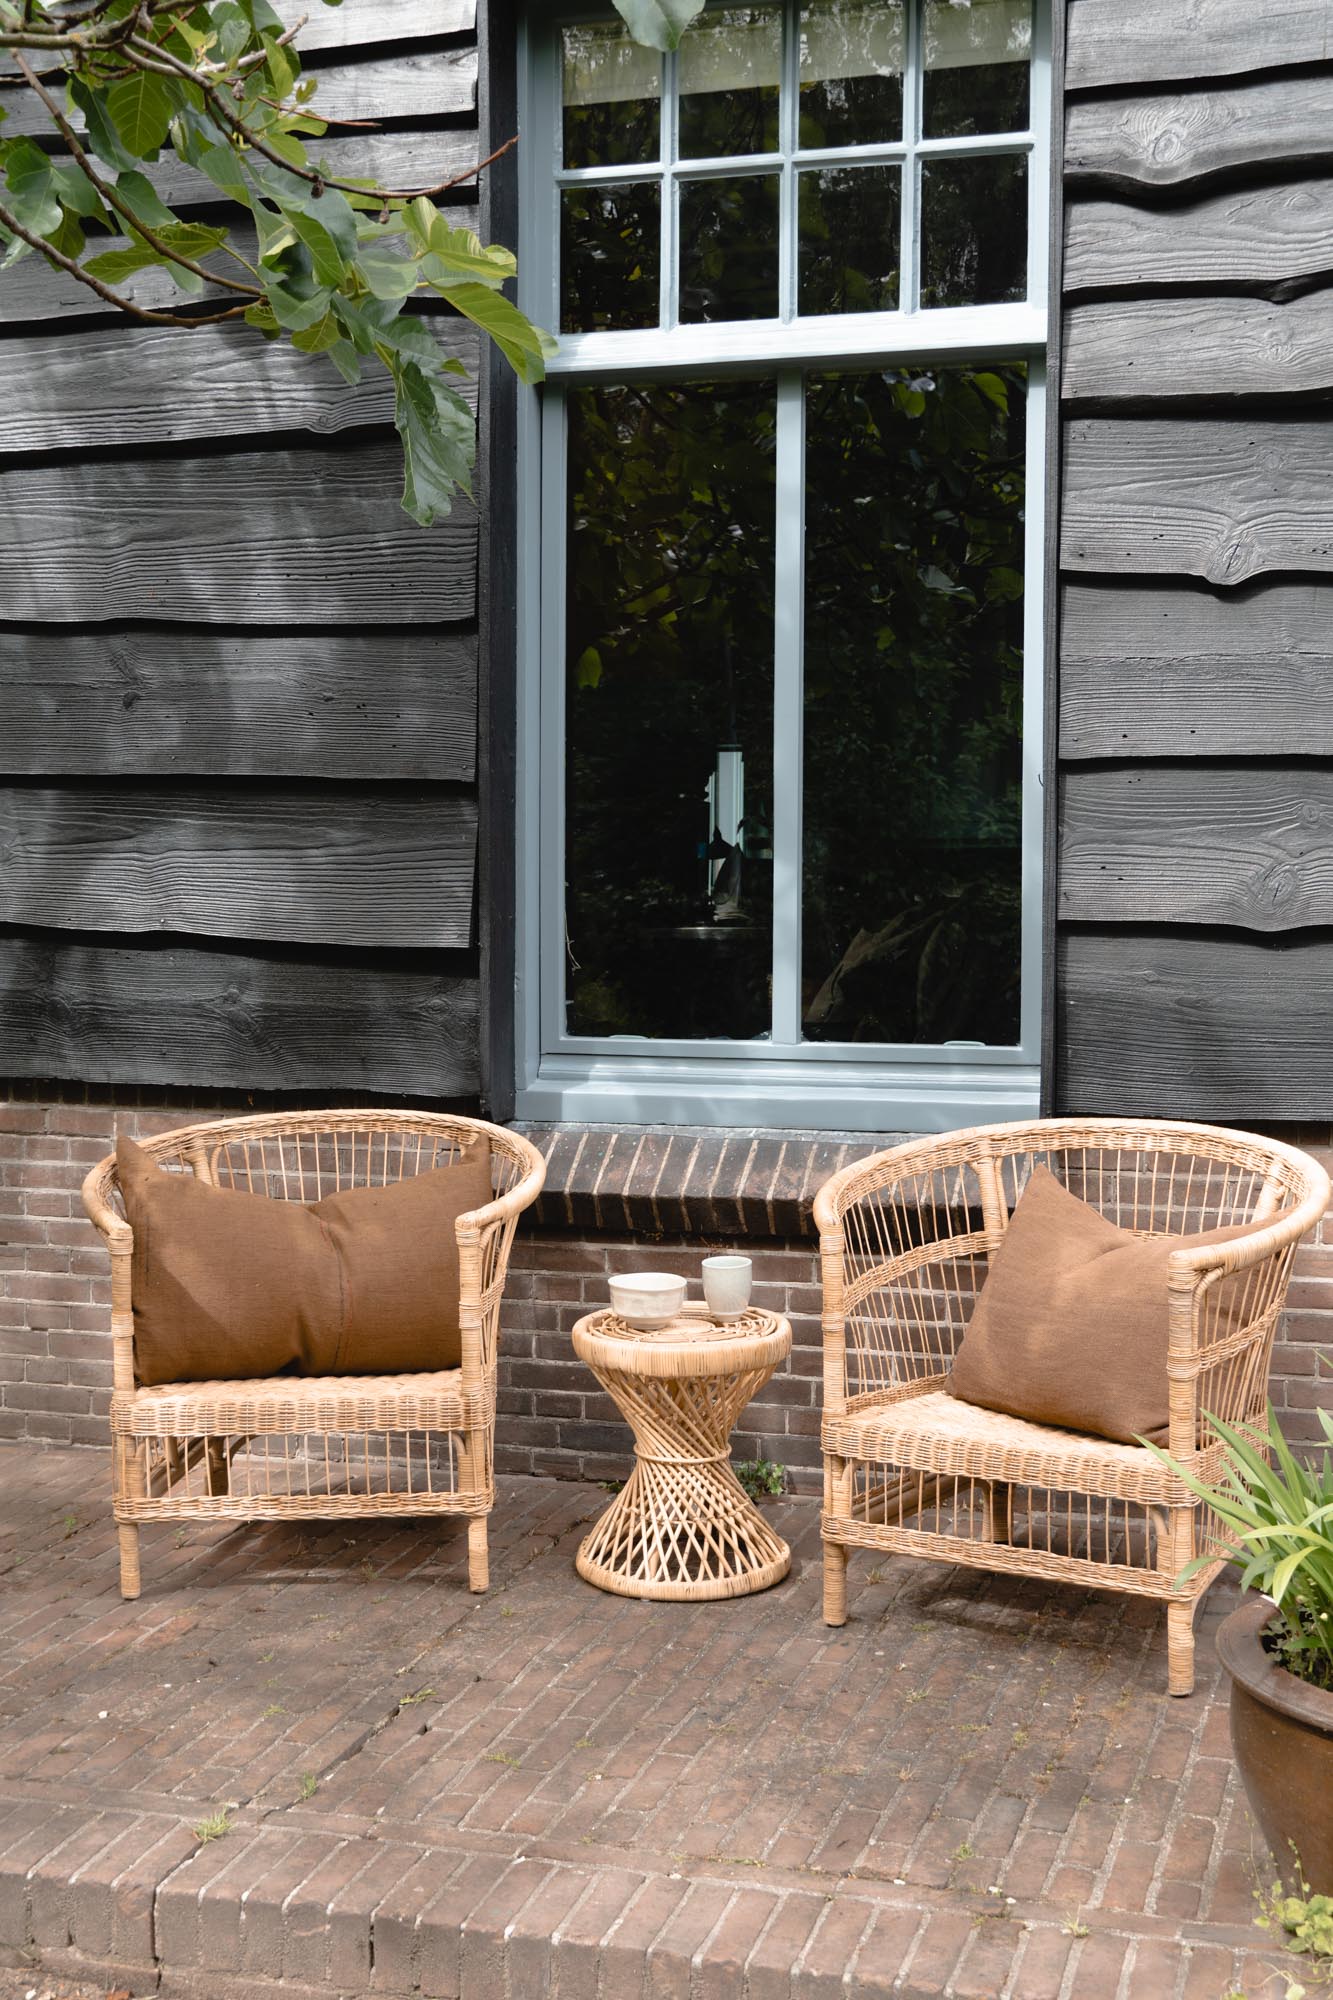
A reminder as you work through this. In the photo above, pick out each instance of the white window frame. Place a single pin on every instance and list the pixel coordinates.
(780, 1082)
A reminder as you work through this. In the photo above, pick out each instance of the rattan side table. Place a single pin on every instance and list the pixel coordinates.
(682, 1526)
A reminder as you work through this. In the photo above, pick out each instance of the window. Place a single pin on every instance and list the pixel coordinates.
(781, 555)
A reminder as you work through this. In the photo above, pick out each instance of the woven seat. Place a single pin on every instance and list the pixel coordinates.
(292, 1447)
(905, 1244)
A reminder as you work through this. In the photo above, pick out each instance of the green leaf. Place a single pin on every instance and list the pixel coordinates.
(141, 109)
(327, 227)
(439, 439)
(144, 199)
(524, 346)
(225, 171)
(31, 187)
(295, 312)
(76, 192)
(658, 24)
(114, 266)
(103, 139)
(454, 254)
(386, 276)
(321, 336)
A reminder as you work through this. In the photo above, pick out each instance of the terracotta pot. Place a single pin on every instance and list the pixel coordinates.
(1282, 1733)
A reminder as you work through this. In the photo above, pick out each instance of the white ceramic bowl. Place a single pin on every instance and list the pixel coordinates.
(647, 1299)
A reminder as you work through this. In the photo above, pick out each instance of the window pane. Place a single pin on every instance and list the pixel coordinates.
(977, 60)
(611, 91)
(851, 72)
(669, 710)
(730, 63)
(974, 231)
(610, 257)
(848, 247)
(729, 248)
(913, 686)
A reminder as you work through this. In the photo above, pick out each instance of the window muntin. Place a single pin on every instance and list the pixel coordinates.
(865, 87)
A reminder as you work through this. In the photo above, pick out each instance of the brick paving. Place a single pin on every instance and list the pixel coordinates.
(977, 1788)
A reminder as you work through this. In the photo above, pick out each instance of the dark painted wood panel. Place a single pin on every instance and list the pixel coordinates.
(283, 537)
(1175, 671)
(1151, 349)
(1164, 142)
(1192, 497)
(333, 867)
(165, 1014)
(431, 84)
(1157, 41)
(1195, 1027)
(174, 384)
(358, 23)
(1258, 236)
(166, 703)
(1247, 846)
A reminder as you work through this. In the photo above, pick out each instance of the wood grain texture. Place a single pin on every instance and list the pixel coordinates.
(1174, 671)
(1146, 349)
(1250, 847)
(1195, 1027)
(283, 537)
(1192, 497)
(1259, 236)
(431, 83)
(361, 23)
(156, 1014)
(153, 701)
(402, 159)
(174, 384)
(329, 867)
(1144, 141)
(1156, 41)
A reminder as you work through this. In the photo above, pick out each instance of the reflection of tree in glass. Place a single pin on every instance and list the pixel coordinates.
(913, 684)
(974, 231)
(729, 248)
(729, 68)
(851, 59)
(848, 239)
(610, 257)
(670, 656)
(611, 115)
(977, 66)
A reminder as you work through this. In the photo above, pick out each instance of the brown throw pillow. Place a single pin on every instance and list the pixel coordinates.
(234, 1286)
(1070, 1326)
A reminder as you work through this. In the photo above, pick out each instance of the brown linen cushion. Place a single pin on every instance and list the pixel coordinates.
(1070, 1326)
(229, 1285)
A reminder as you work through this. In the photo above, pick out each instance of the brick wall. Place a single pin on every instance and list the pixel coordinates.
(55, 1367)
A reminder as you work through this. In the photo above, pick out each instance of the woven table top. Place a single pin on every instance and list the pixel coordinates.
(692, 1344)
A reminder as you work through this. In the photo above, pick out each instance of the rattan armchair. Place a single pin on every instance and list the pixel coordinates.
(319, 1447)
(905, 1239)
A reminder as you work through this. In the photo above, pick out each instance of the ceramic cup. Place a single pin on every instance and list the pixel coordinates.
(727, 1285)
(647, 1300)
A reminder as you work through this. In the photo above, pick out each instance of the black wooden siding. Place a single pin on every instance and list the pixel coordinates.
(1194, 916)
(238, 809)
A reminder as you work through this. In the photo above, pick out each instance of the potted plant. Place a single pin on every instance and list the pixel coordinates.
(1278, 1648)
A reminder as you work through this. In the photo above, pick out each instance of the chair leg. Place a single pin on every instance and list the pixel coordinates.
(835, 1583)
(129, 1559)
(478, 1560)
(1180, 1648)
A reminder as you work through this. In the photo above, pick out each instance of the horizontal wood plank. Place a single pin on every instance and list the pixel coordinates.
(404, 160)
(1250, 847)
(435, 83)
(155, 1014)
(329, 867)
(361, 23)
(1194, 1027)
(156, 701)
(1157, 41)
(1143, 349)
(1270, 236)
(1174, 671)
(173, 384)
(1145, 141)
(1192, 497)
(283, 537)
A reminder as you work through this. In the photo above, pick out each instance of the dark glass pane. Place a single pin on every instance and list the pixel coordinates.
(611, 87)
(848, 239)
(851, 72)
(610, 256)
(729, 248)
(669, 710)
(913, 705)
(974, 231)
(730, 63)
(977, 60)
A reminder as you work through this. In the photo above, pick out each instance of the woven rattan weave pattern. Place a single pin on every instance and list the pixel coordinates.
(355, 1445)
(682, 1526)
(905, 1239)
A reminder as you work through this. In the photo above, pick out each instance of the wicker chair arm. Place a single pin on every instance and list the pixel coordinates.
(108, 1221)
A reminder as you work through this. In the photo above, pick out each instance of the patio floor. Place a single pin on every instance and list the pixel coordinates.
(978, 1787)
